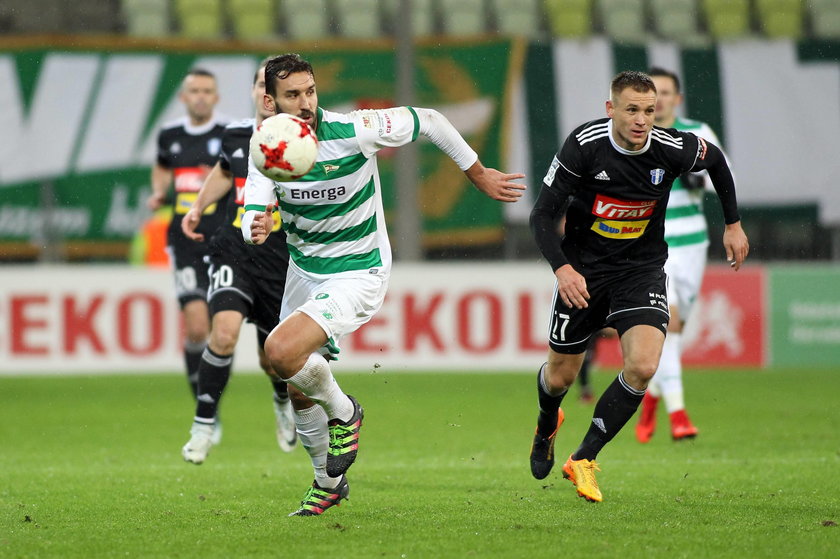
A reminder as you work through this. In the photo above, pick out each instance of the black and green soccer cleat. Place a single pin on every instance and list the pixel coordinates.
(344, 441)
(318, 499)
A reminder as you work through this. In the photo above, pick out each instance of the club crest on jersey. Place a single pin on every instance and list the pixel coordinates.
(656, 175)
(214, 145)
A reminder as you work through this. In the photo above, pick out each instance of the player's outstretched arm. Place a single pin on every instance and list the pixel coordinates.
(495, 184)
(161, 180)
(217, 183)
(734, 239)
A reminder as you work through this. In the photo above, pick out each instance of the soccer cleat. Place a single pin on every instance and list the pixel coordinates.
(542, 450)
(198, 447)
(344, 441)
(216, 437)
(287, 436)
(681, 426)
(647, 418)
(317, 499)
(582, 474)
(586, 395)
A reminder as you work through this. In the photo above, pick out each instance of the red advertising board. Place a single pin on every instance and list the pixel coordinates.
(727, 326)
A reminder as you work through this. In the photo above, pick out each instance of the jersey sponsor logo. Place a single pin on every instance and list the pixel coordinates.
(239, 185)
(656, 175)
(318, 193)
(702, 148)
(189, 179)
(552, 170)
(214, 145)
(184, 201)
(613, 208)
(614, 229)
(602, 176)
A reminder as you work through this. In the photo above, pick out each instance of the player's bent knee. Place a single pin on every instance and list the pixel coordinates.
(284, 358)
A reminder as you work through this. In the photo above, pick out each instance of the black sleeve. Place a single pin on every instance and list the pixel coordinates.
(163, 156)
(711, 158)
(551, 203)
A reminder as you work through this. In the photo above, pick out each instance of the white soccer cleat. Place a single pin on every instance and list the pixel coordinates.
(287, 437)
(198, 447)
(216, 437)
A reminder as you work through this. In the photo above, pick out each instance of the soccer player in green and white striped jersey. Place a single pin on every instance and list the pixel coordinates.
(688, 240)
(340, 254)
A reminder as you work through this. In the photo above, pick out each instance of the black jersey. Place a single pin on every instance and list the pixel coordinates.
(615, 219)
(233, 157)
(190, 152)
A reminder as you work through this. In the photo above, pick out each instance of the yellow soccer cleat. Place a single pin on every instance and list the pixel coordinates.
(582, 474)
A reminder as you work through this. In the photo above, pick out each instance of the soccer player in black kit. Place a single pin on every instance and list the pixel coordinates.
(613, 177)
(246, 281)
(187, 149)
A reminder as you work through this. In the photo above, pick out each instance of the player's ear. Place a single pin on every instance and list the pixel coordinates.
(268, 103)
(610, 108)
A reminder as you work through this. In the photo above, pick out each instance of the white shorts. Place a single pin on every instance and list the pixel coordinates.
(685, 267)
(339, 304)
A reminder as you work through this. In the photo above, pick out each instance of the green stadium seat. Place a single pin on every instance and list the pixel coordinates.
(624, 20)
(676, 20)
(422, 16)
(252, 20)
(359, 19)
(463, 17)
(517, 17)
(305, 19)
(146, 18)
(727, 19)
(199, 19)
(825, 18)
(569, 18)
(780, 18)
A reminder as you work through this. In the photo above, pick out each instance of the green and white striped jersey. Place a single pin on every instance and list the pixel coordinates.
(333, 216)
(685, 223)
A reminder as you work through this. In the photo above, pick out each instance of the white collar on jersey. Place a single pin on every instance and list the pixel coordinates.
(620, 149)
(199, 130)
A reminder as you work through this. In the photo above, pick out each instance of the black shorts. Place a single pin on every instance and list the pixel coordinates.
(254, 291)
(191, 279)
(621, 302)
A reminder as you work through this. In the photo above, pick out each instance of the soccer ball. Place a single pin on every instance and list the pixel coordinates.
(284, 148)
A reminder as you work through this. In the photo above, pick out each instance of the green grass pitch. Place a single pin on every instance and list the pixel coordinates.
(90, 466)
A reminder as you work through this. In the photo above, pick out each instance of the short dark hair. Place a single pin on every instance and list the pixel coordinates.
(639, 81)
(263, 64)
(280, 67)
(198, 71)
(657, 72)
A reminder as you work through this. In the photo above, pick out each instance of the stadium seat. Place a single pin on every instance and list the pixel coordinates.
(463, 17)
(305, 19)
(422, 16)
(780, 18)
(676, 20)
(146, 18)
(569, 18)
(517, 17)
(359, 19)
(199, 19)
(825, 18)
(727, 19)
(624, 20)
(252, 20)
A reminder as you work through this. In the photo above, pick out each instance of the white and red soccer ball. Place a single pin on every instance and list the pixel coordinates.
(284, 147)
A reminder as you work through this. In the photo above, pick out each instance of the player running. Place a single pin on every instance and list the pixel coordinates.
(340, 253)
(615, 174)
(187, 149)
(246, 281)
(688, 240)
